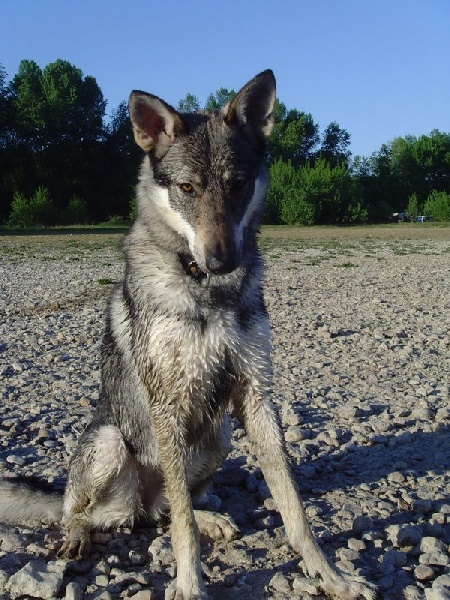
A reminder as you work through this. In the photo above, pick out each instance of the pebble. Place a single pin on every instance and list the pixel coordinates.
(361, 524)
(303, 585)
(280, 583)
(361, 363)
(12, 459)
(405, 535)
(424, 573)
(411, 592)
(161, 549)
(143, 595)
(74, 591)
(37, 579)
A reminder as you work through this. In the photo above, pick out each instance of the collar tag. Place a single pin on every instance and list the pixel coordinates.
(195, 272)
(192, 268)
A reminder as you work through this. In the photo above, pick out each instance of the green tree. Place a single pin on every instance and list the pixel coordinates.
(335, 145)
(294, 137)
(7, 163)
(418, 165)
(76, 212)
(297, 207)
(413, 207)
(281, 185)
(20, 215)
(119, 160)
(188, 104)
(28, 105)
(73, 104)
(6, 117)
(219, 99)
(36, 211)
(437, 205)
(133, 209)
(313, 193)
(287, 201)
(328, 190)
(378, 184)
(58, 121)
(42, 208)
(432, 153)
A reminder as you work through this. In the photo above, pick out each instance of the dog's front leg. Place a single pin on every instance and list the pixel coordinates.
(184, 532)
(258, 416)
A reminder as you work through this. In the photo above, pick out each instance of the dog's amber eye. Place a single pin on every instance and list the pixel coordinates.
(187, 188)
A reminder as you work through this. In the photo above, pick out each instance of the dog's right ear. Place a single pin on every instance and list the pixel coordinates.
(155, 123)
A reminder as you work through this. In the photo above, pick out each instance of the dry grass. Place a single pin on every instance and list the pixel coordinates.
(394, 231)
(54, 244)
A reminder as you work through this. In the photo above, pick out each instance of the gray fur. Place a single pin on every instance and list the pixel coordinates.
(187, 340)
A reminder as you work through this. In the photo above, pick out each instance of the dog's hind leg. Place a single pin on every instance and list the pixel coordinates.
(210, 523)
(102, 488)
(261, 422)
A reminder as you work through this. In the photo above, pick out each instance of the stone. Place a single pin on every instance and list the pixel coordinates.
(439, 559)
(432, 544)
(423, 573)
(411, 592)
(74, 591)
(161, 549)
(361, 524)
(304, 585)
(37, 579)
(405, 535)
(355, 544)
(280, 583)
(143, 595)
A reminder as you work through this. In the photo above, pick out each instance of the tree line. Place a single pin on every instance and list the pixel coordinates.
(62, 161)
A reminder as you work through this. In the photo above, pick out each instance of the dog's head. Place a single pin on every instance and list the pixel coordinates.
(208, 176)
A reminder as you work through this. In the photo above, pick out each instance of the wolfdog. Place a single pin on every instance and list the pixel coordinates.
(186, 343)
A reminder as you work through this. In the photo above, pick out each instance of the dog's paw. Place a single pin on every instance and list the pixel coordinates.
(346, 587)
(350, 588)
(173, 592)
(74, 549)
(331, 580)
(76, 544)
(216, 526)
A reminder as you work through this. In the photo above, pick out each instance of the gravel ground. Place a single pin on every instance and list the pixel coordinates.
(361, 358)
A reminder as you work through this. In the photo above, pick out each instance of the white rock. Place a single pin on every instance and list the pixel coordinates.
(37, 579)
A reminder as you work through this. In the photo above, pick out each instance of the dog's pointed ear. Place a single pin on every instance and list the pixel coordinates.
(252, 108)
(155, 123)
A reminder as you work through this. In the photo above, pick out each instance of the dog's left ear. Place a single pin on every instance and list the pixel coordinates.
(252, 108)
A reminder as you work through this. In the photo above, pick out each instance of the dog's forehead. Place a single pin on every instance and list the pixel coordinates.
(211, 144)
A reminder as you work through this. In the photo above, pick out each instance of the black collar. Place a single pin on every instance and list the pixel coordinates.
(191, 268)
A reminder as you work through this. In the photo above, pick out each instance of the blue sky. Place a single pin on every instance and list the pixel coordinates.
(380, 68)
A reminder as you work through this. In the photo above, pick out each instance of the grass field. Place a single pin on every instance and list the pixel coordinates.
(394, 231)
(76, 242)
